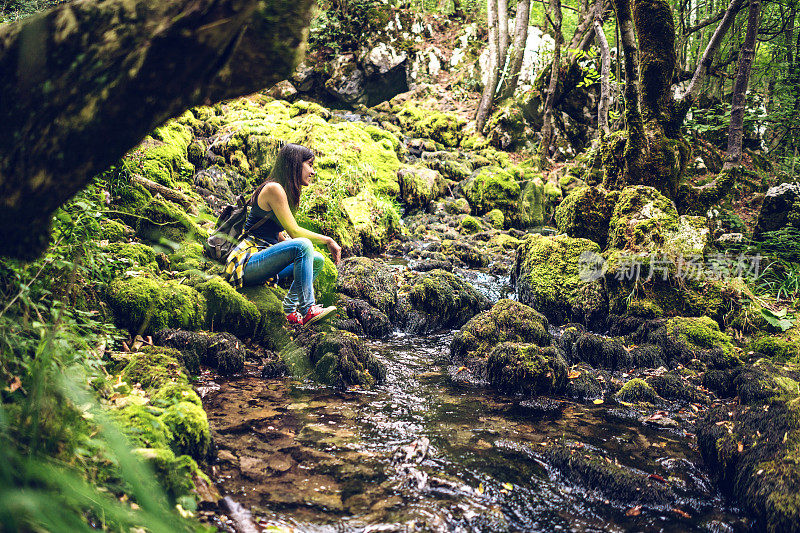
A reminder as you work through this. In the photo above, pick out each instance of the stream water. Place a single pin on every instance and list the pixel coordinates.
(420, 453)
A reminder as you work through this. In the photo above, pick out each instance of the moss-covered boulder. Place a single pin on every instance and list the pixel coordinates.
(269, 302)
(493, 188)
(445, 128)
(444, 300)
(221, 351)
(643, 220)
(359, 317)
(471, 225)
(465, 253)
(495, 218)
(637, 391)
(179, 475)
(132, 255)
(586, 213)
(506, 321)
(526, 368)
(163, 220)
(337, 358)
(146, 305)
(227, 310)
(142, 427)
(419, 186)
(459, 206)
(375, 221)
(551, 276)
(781, 349)
(684, 339)
(154, 368)
(506, 128)
(172, 393)
(189, 425)
(369, 280)
(162, 157)
(114, 231)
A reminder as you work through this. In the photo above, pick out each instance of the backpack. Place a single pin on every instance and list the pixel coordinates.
(228, 230)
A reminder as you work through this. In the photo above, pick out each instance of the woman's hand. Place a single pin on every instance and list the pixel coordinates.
(282, 236)
(335, 250)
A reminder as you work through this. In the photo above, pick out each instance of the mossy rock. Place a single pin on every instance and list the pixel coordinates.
(143, 428)
(471, 225)
(493, 188)
(337, 358)
(470, 255)
(369, 280)
(154, 368)
(227, 310)
(172, 393)
(686, 338)
(459, 206)
(325, 284)
(133, 254)
(446, 300)
(444, 128)
(551, 276)
(600, 352)
(672, 386)
(221, 351)
(162, 157)
(508, 321)
(162, 219)
(637, 391)
(495, 218)
(506, 128)
(146, 305)
(189, 425)
(586, 213)
(269, 302)
(419, 186)
(114, 231)
(642, 220)
(526, 368)
(777, 348)
(175, 473)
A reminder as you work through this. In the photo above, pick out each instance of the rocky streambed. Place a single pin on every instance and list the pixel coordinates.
(429, 450)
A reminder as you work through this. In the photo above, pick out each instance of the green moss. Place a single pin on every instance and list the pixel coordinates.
(269, 302)
(586, 213)
(441, 127)
(132, 199)
(176, 474)
(637, 391)
(154, 369)
(419, 186)
(458, 206)
(227, 310)
(174, 392)
(189, 426)
(445, 297)
(777, 348)
(150, 304)
(325, 284)
(643, 220)
(470, 225)
(496, 218)
(701, 333)
(526, 368)
(163, 157)
(493, 188)
(133, 254)
(551, 277)
(644, 308)
(142, 427)
(113, 231)
(162, 219)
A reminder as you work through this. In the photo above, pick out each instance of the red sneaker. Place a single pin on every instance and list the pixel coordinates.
(317, 313)
(294, 318)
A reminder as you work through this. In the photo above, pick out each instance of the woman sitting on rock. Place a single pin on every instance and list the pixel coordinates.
(266, 255)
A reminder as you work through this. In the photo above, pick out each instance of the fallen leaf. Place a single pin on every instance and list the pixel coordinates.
(657, 478)
(462, 369)
(125, 347)
(761, 471)
(681, 513)
(740, 447)
(634, 511)
(508, 486)
(598, 401)
(608, 459)
(480, 488)
(574, 374)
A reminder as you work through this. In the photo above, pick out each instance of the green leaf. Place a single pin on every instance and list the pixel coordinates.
(778, 319)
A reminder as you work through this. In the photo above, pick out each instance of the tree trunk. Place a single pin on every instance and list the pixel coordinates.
(520, 38)
(502, 33)
(605, 71)
(547, 127)
(736, 132)
(704, 65)
(487, 96)
(84, 82)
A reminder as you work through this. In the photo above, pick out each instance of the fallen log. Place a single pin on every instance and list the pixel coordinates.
(170, 194)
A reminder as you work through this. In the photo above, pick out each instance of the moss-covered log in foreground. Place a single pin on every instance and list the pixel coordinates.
(83, 83)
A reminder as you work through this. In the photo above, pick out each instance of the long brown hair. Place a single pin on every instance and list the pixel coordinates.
(288, 172)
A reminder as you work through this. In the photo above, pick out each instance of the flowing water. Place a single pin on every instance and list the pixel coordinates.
(420, 453)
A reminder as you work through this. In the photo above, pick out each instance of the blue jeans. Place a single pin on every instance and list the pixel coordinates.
(295, 257)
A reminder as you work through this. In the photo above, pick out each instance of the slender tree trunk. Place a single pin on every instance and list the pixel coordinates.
(736, 132)
(520, 38)
(708, 55)
(487, 96)
(633, 114)
(547, 127)
(502, 33)
(605, 71)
